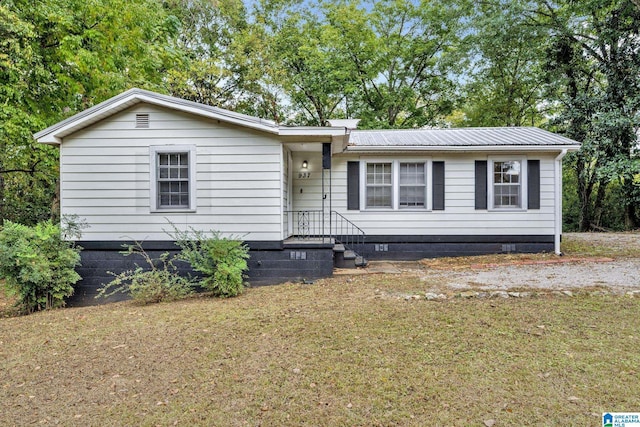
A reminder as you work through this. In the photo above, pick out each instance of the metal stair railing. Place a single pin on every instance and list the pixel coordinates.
(347, 233)
(326, 227)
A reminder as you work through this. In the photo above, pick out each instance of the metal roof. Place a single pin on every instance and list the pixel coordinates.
(460, 137)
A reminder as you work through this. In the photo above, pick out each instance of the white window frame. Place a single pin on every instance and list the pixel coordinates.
(392, 185)
(154, 150)
(395, 184)
(523, 183)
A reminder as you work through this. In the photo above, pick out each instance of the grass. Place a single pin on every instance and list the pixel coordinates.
(343, 351)
(333, 353)
(618, 245)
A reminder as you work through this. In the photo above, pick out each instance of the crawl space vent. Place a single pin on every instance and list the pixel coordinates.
(142, 120)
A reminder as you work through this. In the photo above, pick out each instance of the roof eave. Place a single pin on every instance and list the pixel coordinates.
(459, 148)
(310, 131)
(54, 134)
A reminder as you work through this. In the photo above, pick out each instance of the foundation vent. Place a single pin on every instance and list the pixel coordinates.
(298, 255)
(509, 247)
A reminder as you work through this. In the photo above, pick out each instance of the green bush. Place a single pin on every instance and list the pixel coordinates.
(160, 282)
(222, 261)
(37, 264)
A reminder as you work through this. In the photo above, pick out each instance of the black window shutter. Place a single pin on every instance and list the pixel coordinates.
(353, 186)
(533, 184)
(438, 186)
(326, 155)
(481, 184)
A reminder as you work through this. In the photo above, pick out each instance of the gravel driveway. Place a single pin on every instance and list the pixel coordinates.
(619, 272)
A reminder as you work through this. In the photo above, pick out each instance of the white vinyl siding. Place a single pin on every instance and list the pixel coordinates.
(106, 177)
(460, 216)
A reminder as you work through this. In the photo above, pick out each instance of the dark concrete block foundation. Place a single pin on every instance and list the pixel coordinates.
(269, 263)
(278, 262)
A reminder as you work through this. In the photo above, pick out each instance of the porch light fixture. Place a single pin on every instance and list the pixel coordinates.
(305, 164)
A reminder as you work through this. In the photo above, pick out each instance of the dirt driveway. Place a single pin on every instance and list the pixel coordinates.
(608, 261)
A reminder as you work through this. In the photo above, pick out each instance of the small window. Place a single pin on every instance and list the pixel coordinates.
(142, 120)
(379, 185)
(173, 178)
(412, 185)
(507, 188)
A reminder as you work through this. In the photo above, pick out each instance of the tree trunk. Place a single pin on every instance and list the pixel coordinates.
(584, 197)
(630, 211)
(55, 204)
(630, 221)
(2, 205)
(597, 204)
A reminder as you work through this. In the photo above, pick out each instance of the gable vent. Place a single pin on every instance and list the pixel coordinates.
(142, 120)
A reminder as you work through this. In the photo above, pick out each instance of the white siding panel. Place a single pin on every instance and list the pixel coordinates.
(162, 235)
(132, 146)
(459, 217)
(93, 194)
(90, 209)
(105, 177)
(101, 185)
(158, 134)
(88, 176)
(238, 222)
(106, 169)
(204, 168)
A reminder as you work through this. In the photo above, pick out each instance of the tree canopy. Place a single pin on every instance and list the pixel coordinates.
(572, 67)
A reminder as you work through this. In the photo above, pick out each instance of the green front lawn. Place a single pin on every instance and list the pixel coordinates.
(338, 352)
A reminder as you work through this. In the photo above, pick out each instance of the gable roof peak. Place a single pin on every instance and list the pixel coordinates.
(54, 134)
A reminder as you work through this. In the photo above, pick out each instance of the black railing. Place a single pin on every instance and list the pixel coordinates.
(347, 233)
(308, 225)
(328, 227)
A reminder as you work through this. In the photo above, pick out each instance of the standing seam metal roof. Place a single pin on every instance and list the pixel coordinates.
(471, 137)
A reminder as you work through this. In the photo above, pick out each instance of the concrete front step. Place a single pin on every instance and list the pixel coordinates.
(346, 258)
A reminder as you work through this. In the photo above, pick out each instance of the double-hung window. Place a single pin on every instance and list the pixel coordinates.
(506, 183)
(379, 185)
(396, 184)
(413, 185)
(172, 178)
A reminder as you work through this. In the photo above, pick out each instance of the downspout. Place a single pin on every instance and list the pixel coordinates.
(558, 200)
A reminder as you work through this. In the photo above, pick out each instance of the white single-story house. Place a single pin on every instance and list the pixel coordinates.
(303, 198)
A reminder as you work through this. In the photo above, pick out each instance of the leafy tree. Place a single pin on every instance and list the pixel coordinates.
(59, 57)
(26, 171)
(402, 54)
(310, 70)
(507, 51)
(211, 73)
(594, 65)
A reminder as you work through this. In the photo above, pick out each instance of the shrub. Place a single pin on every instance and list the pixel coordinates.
(37, 264)
(222, 261)
(160, 282)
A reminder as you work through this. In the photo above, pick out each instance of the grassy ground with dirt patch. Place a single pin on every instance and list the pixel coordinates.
(333, 353)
